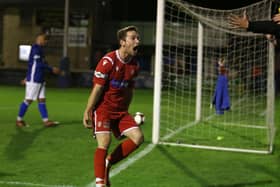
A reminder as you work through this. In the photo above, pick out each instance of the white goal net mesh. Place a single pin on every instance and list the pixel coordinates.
(245, 126)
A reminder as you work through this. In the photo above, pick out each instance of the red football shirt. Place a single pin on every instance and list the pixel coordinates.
(117, 77)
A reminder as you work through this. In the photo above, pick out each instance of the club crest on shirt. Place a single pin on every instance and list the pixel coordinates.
(105, 62)
(132, 72)
(117, 68)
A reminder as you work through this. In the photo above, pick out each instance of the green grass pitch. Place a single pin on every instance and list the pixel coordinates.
(38, 156)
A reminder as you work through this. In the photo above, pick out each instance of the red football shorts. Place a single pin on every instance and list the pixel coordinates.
(118, 123)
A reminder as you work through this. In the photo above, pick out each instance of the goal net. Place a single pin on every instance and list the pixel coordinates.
(196, 103)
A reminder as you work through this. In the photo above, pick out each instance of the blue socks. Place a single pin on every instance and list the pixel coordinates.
(43, 110)
(22, 109)
(41, 106)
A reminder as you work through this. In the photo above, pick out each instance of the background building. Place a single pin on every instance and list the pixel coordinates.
(91, 32)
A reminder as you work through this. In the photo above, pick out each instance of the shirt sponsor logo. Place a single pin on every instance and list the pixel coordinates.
(119, 83)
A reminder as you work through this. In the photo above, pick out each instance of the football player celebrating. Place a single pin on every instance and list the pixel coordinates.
(108, 104)
(35, 83)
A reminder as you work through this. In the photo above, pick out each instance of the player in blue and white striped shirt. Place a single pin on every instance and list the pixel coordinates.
(35, 82)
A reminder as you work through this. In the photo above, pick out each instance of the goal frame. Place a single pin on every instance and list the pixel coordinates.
(158, 85)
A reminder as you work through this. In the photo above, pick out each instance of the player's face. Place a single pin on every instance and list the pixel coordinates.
(42, 40)
(131, 43)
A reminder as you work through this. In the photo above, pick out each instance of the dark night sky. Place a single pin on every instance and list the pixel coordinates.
(223, 4)
(145, 10)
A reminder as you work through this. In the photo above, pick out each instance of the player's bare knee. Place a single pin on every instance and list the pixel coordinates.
(28, 101)
(103, 140)
(136, 135)
(138, 139)
(103, 145)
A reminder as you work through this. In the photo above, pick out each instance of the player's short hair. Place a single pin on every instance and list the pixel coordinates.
(121, 34)
(46, 35)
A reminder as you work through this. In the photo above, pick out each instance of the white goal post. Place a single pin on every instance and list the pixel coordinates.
(190, 40)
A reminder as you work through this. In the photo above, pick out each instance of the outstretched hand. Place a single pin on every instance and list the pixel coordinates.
(237, 22)
(276, 18)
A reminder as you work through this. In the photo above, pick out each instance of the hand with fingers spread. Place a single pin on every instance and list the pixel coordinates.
(276, 18)
(239, 22)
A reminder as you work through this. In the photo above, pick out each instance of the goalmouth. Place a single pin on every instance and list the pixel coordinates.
(190, 40)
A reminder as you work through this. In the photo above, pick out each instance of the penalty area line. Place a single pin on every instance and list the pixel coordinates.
(29, 184)
(128, 162)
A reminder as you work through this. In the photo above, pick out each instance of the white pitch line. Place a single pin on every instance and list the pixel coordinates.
(127, 163)
(29, 184)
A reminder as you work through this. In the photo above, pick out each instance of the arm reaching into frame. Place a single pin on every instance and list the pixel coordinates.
(265, 27)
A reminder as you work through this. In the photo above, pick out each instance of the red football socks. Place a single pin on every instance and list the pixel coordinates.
(99, 162)
(122, 151)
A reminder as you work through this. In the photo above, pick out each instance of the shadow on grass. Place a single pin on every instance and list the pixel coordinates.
(182, 167)
(258, 183)
(272, 177)
(269, 176)
(20, 142)
(5, 174)
(266, 169)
